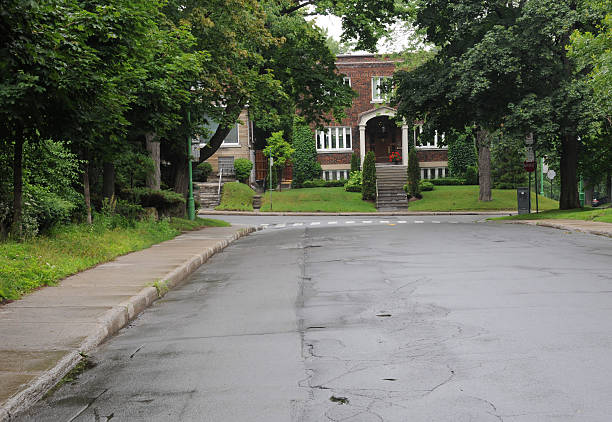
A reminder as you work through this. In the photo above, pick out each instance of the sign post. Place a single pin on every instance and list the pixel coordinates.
(551, 175)
(270, 177)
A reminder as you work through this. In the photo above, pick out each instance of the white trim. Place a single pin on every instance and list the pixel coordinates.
(377, 95)
(334, 135)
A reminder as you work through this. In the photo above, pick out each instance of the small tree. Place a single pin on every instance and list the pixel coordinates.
(368, 186)
(242, 168)
(355, 162)
(305, 164)
(414, 174)
(280, 150)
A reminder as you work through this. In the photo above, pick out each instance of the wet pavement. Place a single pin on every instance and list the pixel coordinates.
(451, 320)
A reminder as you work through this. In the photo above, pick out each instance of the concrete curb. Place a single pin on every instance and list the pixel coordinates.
(564, 227)
(357, 214)
(110, 323)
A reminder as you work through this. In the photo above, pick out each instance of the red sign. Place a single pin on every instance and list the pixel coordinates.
(529, 166)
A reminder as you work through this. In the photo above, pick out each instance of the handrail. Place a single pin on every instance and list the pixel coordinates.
(220, 177)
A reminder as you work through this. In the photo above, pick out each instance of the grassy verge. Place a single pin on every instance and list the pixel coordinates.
(465, 198)
(236, 197)
(316, 200)
(42, 261)
(603, 215)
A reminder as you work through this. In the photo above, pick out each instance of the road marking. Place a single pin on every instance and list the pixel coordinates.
(264, 225)
(418, 222)
(350, 222)
(298, 224)
(280, 226)
(332, 222)
(402, 222)
(454, 222)
(384, 221)
(393, 224)
(435, 222)
(315, 223)
(366, 222)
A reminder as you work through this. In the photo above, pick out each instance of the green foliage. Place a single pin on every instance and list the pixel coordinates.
(354, 182)
(507, 156)
(414, 174)
(132, 168)
(243, 167)
(281, 151)
(44, 260)
(368, 186)
(236, 196)
(355, 162)
(305, 164)
(202, 171)
(426, 186)
(471, 175)
(320, 183)
(166, 202)
(448, 181)
(461, 152)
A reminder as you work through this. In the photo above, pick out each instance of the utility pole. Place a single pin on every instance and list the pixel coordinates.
(190, 201)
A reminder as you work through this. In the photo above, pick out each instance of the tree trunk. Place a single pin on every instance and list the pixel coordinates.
(569, 162)
(181, 179)
(108, 189)
(86, 192)
(154, 179)
(219, 136)
(484, 165)
(589, 191)
(609, 186)
(17, 186)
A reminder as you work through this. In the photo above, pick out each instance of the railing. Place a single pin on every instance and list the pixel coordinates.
(220, 177)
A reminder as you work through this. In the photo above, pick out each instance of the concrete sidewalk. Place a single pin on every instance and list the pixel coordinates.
(43, 335)
(592, 227)
(208, 212)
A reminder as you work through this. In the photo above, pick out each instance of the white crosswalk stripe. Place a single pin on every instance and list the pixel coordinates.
(315, 223)
(298, 224)
(366, 222)
(435, 222)
(384, 221)
(350, 222)
(419, 222)
(402, 222)
(280, 226)
(332, 222)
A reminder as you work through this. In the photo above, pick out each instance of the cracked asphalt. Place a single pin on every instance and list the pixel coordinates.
(416, 322)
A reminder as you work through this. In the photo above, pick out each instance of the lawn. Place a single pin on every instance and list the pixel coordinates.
(465, 198)
(236, 196)
(316, 200)
(44, 260)
(603, 215)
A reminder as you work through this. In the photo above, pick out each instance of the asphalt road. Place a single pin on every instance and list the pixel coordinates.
(440, 320)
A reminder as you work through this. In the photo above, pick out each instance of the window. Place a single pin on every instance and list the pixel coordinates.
(434, 173)
(334, 139)
(425, 140)
(232, 138)
(226, 164)
(377, 95)
(335, 174)
(347, 80)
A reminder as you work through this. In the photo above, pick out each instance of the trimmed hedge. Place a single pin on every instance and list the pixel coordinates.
(166, 202)
(305, 164)
(320, 183)
(354, 182)
(355, 162)
(243, 167)
(471, 175)
(202, 171)
(426, 186)
(368, 185)
(447, 181)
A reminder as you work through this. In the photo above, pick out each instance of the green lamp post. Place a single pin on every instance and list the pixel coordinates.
(190, 201)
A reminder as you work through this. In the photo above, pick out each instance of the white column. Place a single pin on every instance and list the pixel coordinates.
(405, 144)
(422, 174)
(362, 136)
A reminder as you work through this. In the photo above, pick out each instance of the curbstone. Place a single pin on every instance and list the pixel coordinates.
(110, 323)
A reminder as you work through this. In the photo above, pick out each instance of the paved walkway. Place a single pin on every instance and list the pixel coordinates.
(44, 334)
(592, 227)
(354, 214)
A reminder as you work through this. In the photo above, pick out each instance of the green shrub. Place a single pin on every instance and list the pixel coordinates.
(320, 183)
(43, 209)
(461, 152)
(414, 175)
(471, 175)
(305, 164)
(355, 162)
(166, 202)
(202, 171)
(368, 185)
(243, 168)
(448, 181)
(426, 186)
(236, 196)
(354, 182)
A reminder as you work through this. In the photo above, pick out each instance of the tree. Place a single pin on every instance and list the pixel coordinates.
(414, 174)
(461, 152)
(280, 151)
(305, 164)
(368, 186)
(355, 162)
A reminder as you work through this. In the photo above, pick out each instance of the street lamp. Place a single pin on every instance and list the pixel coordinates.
(190, 201)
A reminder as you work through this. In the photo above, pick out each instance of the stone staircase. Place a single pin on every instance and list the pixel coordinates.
(390, 180)
(208, 194)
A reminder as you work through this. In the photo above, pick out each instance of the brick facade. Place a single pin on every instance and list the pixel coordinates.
(361, 69)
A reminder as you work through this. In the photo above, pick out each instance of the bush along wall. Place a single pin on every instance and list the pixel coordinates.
(414, 175)
(355, 162)
(320, 183)
(305, 164)
(368, 187)
(242, 168)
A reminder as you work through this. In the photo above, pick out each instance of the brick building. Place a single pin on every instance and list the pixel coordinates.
(370, 125)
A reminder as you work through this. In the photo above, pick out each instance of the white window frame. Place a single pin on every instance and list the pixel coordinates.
(342, 174)
(334, 132)
(347, 80)
(377, 95)
(233, 144)
(429, 145)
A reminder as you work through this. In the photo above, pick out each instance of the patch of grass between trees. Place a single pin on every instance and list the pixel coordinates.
(602, 215)
(317, 200)
(44, 260)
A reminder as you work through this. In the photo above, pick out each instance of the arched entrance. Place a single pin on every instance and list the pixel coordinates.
(379, 133)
